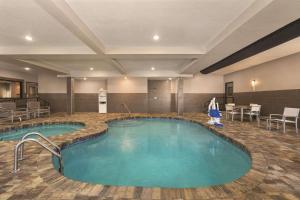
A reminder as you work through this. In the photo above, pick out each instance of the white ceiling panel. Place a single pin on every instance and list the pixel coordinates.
(180, 24)
(21, 18)
(159, 65)
(83, 65)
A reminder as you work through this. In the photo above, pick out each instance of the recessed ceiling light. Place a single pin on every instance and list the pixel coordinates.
(156, 37)
(28, 38)
(91, 68)
(27, 68)
(152, 68)
(84, 78)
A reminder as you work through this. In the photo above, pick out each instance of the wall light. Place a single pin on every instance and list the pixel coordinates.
(170, 79)
(84, 78)
(152, 68)
(27, 68)
(91, 68)
(253, 83)
(125, 77)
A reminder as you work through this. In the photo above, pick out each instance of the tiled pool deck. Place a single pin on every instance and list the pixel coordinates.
(275, 172)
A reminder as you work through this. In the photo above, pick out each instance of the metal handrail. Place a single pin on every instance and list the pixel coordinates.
(126, 108)
(16, 153)
(42, 137)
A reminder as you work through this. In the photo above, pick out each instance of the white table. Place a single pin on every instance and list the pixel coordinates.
(242, 108)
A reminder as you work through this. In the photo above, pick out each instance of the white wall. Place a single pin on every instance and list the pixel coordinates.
(201, 83)
(89, 86)
(280, 74)
(27, 76)
(130, 85)
(49, 83)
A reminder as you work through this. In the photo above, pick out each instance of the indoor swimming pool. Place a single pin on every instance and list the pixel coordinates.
(156, 153)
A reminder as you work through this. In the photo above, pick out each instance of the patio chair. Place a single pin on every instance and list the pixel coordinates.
(288, 115)
(229, 110)
(254, 111)
(10, 112)
(5, 115)
(35, 108)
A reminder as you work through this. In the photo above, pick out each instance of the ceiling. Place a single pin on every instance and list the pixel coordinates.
(115, 37)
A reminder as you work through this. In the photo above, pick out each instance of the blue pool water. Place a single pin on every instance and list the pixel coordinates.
(46, 130)
(155, 153)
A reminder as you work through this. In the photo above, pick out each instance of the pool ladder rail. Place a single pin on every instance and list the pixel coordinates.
(19, 149)
(125, 106)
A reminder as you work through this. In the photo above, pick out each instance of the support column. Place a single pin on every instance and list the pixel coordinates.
(179, 95)
(70, 96)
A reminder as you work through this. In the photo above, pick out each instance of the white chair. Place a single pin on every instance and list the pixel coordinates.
(254, 111)
(288, 113)
(230, 111)
(36, 108)
(9, 110)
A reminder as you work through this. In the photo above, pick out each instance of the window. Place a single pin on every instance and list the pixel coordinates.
(10, 88)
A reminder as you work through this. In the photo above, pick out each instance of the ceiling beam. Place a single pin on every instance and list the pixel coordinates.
(280, 36)
(119, 66)
(187, 66)
(64, 14)
(46, 65)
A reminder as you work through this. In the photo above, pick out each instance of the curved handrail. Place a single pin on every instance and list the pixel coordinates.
(126, 108)
(41, 136)
(16, 160)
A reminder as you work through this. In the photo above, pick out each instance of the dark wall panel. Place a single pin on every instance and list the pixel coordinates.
(86, 102)
(271, 101)
(173, 102)
(159, 96)
(196, 102)
(137, 102)
(58, 101)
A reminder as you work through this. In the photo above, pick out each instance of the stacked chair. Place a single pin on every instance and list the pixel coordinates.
(9, 111)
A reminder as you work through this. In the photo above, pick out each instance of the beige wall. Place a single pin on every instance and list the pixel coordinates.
(49, 83)
(89, 86)
(204, 84)
(130, 85)
(280, 74)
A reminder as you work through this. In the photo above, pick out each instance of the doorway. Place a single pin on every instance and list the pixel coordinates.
(229, 98)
